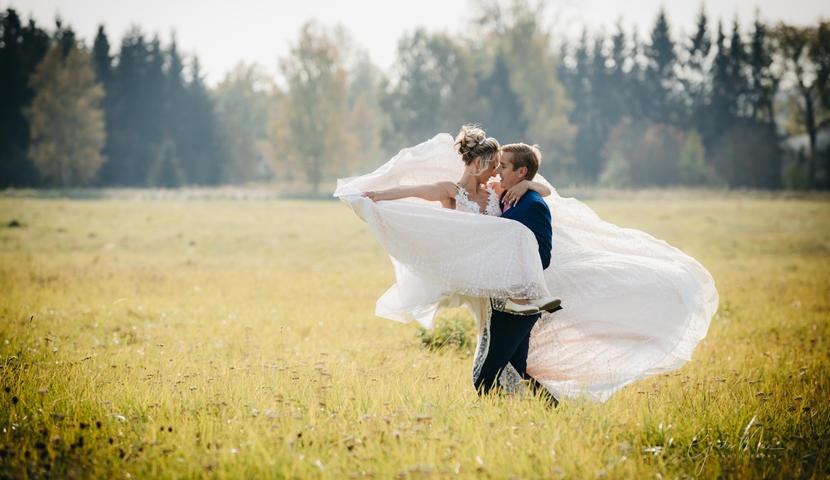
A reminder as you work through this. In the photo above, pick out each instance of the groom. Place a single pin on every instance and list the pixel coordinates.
(510, 333)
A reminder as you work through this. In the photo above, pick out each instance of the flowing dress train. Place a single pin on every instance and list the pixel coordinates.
(633, 305)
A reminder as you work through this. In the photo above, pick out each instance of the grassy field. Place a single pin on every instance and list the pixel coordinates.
(226, 338)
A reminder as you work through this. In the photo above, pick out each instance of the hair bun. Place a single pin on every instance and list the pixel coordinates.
(468, 138)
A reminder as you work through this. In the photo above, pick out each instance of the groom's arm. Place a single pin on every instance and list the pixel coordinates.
(539, 223)
(533, 213)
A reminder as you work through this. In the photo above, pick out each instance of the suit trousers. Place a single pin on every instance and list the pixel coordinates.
(509, 341)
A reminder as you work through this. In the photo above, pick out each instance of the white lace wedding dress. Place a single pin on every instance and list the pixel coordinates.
(633, 306)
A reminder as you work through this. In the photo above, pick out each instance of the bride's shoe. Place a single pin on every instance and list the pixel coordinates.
(513, 307)
(546, 304)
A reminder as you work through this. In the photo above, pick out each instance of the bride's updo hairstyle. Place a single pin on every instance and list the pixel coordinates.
(472, 142)
(524, 155)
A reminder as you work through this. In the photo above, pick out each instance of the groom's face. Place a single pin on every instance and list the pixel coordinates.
(509, 175)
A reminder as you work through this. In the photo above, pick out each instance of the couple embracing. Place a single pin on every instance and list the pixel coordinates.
(634, 305)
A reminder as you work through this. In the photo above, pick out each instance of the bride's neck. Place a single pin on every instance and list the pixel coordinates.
(469, 182)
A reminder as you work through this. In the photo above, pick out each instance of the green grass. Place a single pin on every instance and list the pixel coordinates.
(235, 339)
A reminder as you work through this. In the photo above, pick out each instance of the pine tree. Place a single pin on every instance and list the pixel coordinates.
(619, 92)
(175, 98)
(660, 73)
(21, 49)
(577, 82)
(494, 87)
(66, 122)
(763, 83)
(129, 152)
(721, 111)
(737, 72)
(701, 45)
(102, 64)
(64, 36)
(608, 110)
(696, 81)
(199, 145)
(166, 170)
(590, 114)
(154, 127)
(101, 58)
(636, 85)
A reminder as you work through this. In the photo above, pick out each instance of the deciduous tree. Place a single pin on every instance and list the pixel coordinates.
(65, 118)
(317, 113)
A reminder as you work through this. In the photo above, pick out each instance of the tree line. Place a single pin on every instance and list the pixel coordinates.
(76, 116)
(712, 108)
(722, 107)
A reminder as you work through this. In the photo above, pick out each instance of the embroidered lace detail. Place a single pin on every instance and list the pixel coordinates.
(493, 208)
(483, 347)
(464, 204)
(509, 379)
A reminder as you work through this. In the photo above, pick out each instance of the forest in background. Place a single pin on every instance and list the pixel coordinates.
(729, 106)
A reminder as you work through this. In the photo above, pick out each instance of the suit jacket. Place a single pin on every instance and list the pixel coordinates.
(533, 213)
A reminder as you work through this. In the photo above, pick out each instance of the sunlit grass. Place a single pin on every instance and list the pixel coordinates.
(221, 338)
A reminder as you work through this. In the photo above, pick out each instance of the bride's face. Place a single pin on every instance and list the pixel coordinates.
(488, 172)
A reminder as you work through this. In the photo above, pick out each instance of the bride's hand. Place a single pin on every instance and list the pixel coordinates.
(514, 193)
(371, 195)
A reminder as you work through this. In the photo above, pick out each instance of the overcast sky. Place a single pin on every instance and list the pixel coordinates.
(222, 33)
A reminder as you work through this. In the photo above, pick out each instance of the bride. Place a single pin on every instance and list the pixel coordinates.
(481, 155)
(634, 305)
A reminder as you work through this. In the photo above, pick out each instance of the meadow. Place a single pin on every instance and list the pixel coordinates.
(221, 338)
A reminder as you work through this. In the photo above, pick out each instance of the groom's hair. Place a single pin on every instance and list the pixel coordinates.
(524, 155)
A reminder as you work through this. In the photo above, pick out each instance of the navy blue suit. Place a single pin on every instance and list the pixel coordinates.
(533, 213)
(510, 334)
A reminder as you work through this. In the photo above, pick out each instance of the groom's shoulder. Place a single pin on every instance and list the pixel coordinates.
(535, 203)
(533, 197)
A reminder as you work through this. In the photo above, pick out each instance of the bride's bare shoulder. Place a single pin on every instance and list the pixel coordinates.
(449, 187)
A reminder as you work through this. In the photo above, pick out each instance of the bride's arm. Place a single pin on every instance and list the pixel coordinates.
(516, 192)
(436, 192)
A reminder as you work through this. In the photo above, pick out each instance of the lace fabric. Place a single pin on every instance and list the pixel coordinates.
(633, 305)
(464, 204)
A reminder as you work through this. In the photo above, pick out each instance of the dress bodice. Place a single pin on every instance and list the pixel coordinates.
(463, 202)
